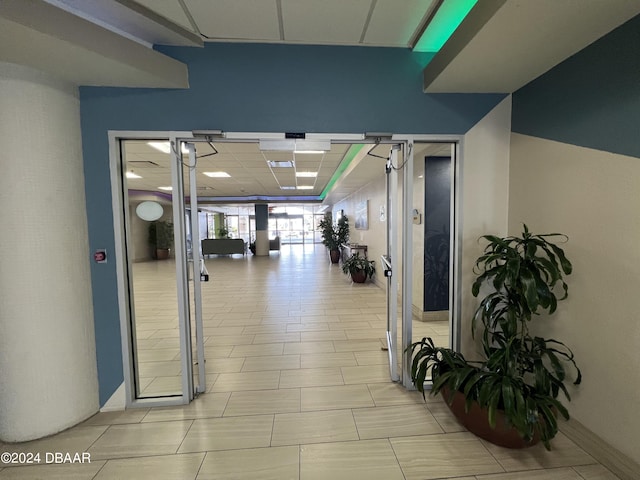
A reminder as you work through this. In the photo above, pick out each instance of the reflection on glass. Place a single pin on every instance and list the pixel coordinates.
(153, 296)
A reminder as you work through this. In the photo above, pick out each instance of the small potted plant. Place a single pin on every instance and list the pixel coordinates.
(161, 238)
(359, 268)
(509, 397)
(223, 232)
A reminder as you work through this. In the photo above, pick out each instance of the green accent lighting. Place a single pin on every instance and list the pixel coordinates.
(443, 24)
(348, 158)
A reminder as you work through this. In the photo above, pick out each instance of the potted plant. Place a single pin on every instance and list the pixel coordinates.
(343, 230)
(161, 238)
(334, 235)
(359, 268)
(510, 397)
(223, 232)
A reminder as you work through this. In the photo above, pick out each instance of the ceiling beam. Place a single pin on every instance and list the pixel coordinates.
(479, 15)
(42, 36)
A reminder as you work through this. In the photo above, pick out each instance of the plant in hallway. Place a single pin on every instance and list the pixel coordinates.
(161, 238)
(223, 232)
(359, 268)
(334, 236)
(511, 397)
(343, 230)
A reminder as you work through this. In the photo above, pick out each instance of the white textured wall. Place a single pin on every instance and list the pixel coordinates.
(484, 203)
(594, 198)
(48, 379)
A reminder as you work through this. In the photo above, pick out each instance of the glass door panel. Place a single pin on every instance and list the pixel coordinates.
(296, 229)
(196, 272)
(390, 261)
(154, 353)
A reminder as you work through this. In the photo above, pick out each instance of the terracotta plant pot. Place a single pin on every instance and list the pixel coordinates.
(335, 256)
(476, 420)
(359, 276)
(162, 253)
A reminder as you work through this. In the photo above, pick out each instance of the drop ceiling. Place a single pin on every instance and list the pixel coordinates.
(389, 23)
(250, 173)
(251, 176)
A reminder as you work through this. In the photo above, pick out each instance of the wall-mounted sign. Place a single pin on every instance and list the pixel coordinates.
(100, 256)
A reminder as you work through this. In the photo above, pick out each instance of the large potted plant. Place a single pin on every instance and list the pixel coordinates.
(359, 268)
(161, 238)
(334, 235)
(511, 396)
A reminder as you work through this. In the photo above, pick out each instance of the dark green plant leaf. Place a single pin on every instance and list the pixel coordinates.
(529, 289)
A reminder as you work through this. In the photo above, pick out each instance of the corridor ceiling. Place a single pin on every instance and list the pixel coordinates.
(250, 174)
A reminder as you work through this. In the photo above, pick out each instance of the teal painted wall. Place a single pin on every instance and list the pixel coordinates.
(263, 88)
(592, 99)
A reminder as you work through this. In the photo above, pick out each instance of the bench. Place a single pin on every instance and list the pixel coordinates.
(223, 246)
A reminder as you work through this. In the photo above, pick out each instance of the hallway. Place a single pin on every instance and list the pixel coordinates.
(298, 388)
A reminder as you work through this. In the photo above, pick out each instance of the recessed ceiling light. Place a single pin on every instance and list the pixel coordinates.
(307, 174)
(217, 174)
(305, 187)
(132, 175)
(420, 176)
(287, 188)
(311, 151)
(275, 164)
(165, 188)
(165, 147)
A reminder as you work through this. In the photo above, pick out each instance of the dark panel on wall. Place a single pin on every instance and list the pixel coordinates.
(262, 216)
(592, 99)
(263, 88)
(437, 233)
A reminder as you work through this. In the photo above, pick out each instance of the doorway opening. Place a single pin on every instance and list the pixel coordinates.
(165, 342)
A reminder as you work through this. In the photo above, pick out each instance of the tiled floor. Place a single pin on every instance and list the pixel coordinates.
(298, 389)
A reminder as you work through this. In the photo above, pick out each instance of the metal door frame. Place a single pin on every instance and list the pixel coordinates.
(124, 268)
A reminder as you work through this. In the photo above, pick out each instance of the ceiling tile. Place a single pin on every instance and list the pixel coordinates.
(238, 147)
(327, 21)
(170, 9)
(393, 26)
(236, 19)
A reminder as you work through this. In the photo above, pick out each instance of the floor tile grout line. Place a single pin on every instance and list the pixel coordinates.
(100, 469)
(395, 454)
(185, 436)
(200, 466)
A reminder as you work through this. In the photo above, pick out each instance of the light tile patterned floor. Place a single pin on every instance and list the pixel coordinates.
(298, 389)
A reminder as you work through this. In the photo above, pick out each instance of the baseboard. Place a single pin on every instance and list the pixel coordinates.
(439, 316)
(616, 461)
(117, 401)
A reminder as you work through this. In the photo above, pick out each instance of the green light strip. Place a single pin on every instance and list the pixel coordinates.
(443, 24)
(346, 161)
